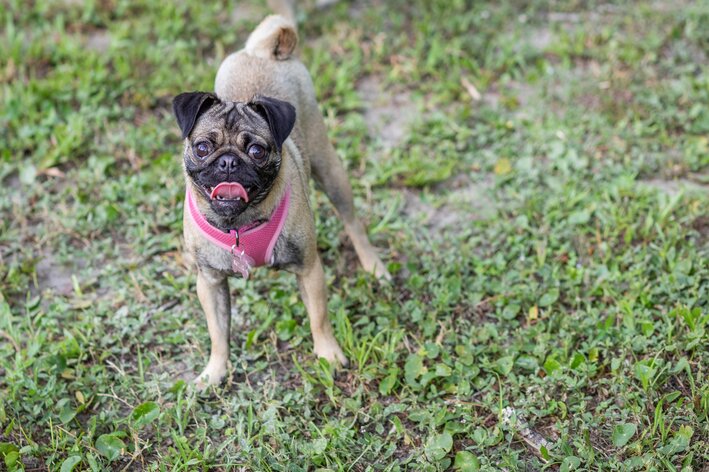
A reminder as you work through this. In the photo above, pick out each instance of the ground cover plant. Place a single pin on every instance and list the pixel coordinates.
(534, 172)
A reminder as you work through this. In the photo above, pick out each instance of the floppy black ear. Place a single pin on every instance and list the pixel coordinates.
(188, 106)
(279, 114)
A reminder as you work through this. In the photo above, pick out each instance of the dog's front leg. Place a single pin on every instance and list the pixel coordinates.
(314, 293)
(213, 293)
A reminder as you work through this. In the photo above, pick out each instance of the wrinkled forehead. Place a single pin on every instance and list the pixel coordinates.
(231, 118)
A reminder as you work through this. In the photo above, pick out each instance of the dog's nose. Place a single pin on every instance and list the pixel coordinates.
(227, 162)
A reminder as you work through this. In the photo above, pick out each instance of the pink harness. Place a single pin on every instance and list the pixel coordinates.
(250, 246)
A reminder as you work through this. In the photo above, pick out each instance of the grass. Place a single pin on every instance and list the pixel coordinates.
(550, 242)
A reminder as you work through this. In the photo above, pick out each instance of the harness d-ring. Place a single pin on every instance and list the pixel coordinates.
(236, 241)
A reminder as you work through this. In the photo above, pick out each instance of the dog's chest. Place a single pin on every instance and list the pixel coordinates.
(209, 255)
(286, 254)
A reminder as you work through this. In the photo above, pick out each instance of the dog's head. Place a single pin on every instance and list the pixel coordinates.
(232, 149)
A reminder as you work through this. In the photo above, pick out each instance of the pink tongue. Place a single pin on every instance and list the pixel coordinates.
(229, 191)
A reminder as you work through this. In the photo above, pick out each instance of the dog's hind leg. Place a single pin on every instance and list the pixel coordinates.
(329, 173)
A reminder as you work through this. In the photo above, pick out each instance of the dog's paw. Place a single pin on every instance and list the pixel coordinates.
(331, 351)
(375, 266)
(209, 377)
(381, 272)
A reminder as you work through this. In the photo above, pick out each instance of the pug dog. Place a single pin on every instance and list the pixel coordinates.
(249, 151)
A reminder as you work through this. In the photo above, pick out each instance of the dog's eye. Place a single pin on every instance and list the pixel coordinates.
(257, 152)
(202, 149)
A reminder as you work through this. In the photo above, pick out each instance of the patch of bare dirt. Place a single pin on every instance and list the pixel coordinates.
(541, 38)
(388, 115)
(701, 226)
(98, 41)
(55, 276)
(465, 201)
(174, 369)
(673, 187)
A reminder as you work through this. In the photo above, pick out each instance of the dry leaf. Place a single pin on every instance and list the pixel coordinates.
(503, 166)
(533, 313)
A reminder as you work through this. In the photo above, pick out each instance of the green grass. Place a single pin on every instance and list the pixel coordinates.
(550, 242)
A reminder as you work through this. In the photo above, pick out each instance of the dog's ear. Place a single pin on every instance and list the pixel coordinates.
(188, 106)
(280, 116)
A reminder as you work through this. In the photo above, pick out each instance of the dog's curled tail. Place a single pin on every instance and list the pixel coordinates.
(275, 38)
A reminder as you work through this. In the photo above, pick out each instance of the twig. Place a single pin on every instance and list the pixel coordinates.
(441, 333)
(535, 440)
(115, 397)
(11, 339)
(118, 369)
(470, 88)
